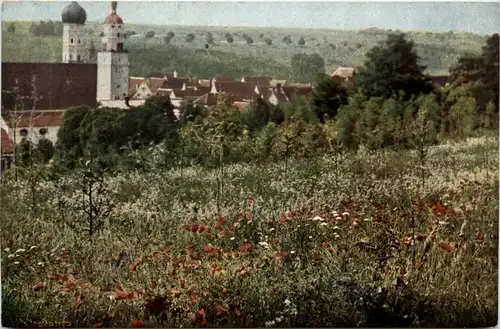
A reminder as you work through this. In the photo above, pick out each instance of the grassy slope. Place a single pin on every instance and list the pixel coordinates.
(153, 207)
(438, 50)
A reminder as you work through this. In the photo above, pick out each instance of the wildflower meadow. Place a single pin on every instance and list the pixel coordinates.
(373, 238)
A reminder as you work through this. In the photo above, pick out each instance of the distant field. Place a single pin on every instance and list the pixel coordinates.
(438, 50)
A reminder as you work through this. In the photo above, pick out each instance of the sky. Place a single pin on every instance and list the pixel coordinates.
(476, 17)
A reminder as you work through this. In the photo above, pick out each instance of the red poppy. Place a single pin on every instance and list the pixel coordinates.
(192, 228)
(325, 244)
(203, 228)
(121, 295)
(222, 234)
(39, 286)
(245, 247)
(201, 313)
(190, 246)
(203, 323)
(280, 255)
(250, 203)
(195, 255)
(194, 318)
(208, 248)
(446, 247)
(182, 282)
(219, 310)
(134, 265)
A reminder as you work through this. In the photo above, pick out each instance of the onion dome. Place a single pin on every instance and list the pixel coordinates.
(74, 14)
(113, 18)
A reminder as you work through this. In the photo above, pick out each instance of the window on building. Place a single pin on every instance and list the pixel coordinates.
(112, 26)
(43, 131)
(143, 88)
(119, 26)
(103, 47)
(118, 86)
(119, 46)
(78, 57)
(71, 40)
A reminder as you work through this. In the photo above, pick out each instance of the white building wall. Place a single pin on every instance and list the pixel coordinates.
(73, 48)
(113, 35)
(112, 76)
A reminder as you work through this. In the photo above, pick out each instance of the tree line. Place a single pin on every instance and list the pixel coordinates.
(392, 104)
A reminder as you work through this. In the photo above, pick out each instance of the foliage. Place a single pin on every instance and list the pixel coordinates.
(48, 28)
(301, 41)
(393, 67)
(248, 39)
(190, 37)
(306, 68)
(287, 39)
(149, 35)
(268, 41)
(229, 38)
(327, 96)
(11, 28)
(168, 38)
(209, 38)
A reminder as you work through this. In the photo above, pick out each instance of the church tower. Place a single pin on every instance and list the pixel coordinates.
(112, 60)
(73, 18)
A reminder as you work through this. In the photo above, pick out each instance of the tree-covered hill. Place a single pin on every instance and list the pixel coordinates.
(247, 50)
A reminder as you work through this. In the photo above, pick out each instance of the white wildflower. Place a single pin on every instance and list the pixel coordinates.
(317, 218)
(338, 218)
(367, 219)
(336, 227)
(292, 252)
(32, 247)
(442, 222)
(270, 323)
(271, 229)
(336, 236)
(263, 244)
(345, 214)
(16, 263)
(310, 237)
(6, 249)
(323, 224)
(20, 250)
(279, 319)
(11, 256)
(40, 264)
(287, 302)
(232, 238)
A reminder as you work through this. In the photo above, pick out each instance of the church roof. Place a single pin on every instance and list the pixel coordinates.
(74, 14)
(58, 85)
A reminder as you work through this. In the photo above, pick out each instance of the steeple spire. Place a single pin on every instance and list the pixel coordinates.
(113, 7)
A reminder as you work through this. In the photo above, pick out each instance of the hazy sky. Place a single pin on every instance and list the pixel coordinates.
(477, 17)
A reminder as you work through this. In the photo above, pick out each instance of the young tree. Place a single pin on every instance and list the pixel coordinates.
(229, 38)
(150, 35)
(268, 41)
(210, 38)
(287, 39)
(170, 35)
(190, 37)
(248, 39)
(302, 41)
(391, 67)
(11, 28)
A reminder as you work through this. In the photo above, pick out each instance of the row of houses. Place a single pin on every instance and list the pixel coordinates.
(203, 92)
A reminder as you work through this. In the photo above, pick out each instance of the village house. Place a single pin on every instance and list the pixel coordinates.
(347, 73)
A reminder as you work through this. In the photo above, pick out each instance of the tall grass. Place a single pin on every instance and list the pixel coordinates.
(343, 240)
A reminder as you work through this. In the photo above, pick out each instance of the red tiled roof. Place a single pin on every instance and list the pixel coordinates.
(207, 100)
(113, 19)
(5, 143)
(237, 89)
(59, 85)
(259, 81)
(132, 85)
(205, 83)
(225, 79)
(39, 119)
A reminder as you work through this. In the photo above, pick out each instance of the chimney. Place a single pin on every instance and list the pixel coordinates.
(175, 74)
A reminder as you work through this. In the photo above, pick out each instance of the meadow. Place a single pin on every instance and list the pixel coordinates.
(343, 239)
(438, 50)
